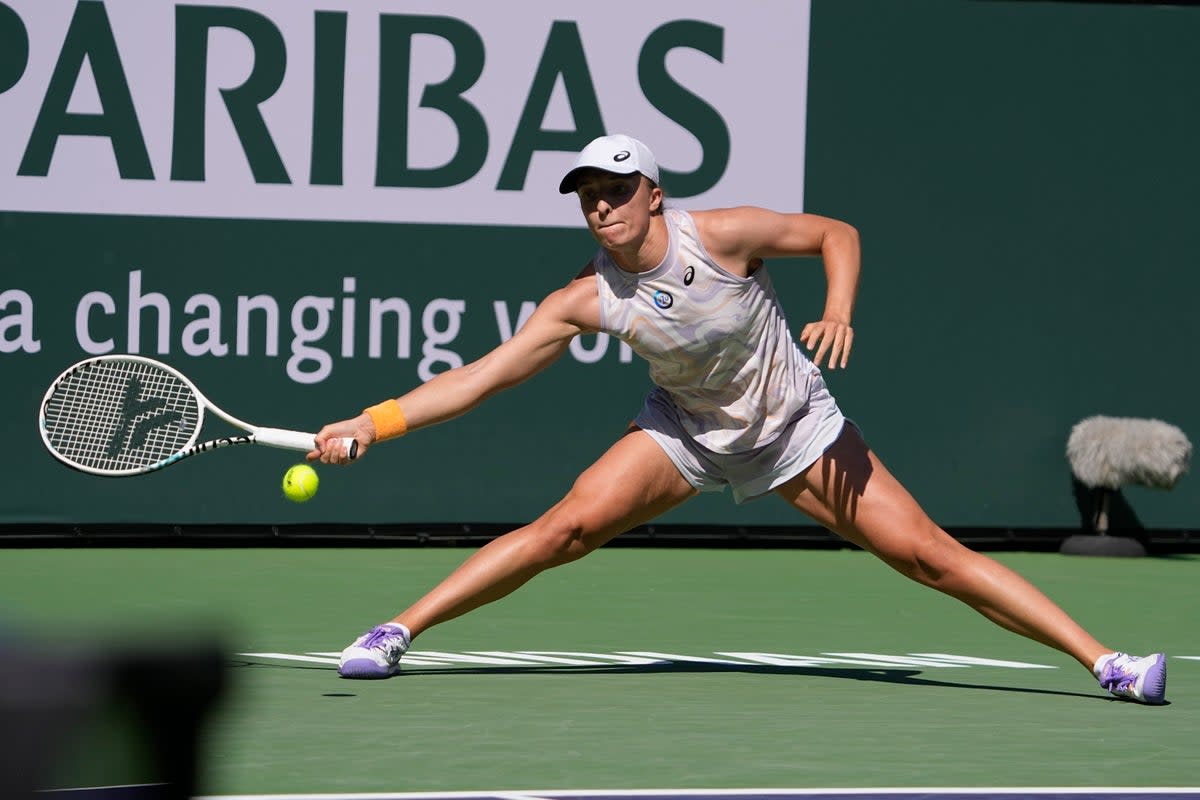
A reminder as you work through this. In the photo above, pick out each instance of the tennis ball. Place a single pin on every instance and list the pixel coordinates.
(300, 483)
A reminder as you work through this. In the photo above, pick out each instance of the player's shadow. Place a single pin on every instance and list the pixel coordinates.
(904, 677)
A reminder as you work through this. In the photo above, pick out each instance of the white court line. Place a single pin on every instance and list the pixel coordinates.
(292, 657)
(527, 658)
(651, 793)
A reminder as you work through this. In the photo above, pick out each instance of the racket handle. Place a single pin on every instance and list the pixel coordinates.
(285, 439)
(297, 440)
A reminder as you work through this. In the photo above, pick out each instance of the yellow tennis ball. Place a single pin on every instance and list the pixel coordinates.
(300, 483)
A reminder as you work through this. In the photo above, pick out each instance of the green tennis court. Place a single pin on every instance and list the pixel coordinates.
(637, 668)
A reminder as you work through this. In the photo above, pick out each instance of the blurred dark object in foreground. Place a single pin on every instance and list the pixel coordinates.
(51, 690)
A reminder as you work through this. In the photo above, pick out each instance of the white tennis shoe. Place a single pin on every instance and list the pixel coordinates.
(375, 654)
(1129, 677)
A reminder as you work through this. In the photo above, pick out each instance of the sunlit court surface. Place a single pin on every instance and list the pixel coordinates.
(673, 670)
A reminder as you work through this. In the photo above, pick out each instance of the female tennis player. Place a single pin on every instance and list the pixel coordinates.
(736, 403)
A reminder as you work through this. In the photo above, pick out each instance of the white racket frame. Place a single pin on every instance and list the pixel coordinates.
(281, 438)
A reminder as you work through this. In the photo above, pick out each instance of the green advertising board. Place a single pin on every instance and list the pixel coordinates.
(309, 208)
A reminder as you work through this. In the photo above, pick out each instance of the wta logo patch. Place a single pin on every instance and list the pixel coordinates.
(663, 299)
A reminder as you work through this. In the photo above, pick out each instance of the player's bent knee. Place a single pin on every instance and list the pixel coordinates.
(933, 558)
(563, 538)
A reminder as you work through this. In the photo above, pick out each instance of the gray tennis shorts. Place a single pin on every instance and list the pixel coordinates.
(753, 473)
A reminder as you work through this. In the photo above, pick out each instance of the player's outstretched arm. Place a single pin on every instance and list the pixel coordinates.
(537, 344)
(736, 237)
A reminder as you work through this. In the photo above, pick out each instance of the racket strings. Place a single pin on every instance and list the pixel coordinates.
(116, 415)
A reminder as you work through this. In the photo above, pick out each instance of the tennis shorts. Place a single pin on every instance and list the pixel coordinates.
(753, 473)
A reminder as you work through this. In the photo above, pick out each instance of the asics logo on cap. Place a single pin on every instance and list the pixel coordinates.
(617, 153)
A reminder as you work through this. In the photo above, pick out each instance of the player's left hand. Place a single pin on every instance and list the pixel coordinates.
(829, 337)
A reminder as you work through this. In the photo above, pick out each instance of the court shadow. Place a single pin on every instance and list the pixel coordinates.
(1122, 519)
(904, 677)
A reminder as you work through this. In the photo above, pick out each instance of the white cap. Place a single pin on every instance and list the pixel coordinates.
(617, 153)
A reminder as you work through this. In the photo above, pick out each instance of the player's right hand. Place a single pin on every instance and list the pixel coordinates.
(331, 450)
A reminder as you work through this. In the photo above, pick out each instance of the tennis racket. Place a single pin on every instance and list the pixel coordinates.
(128, 415)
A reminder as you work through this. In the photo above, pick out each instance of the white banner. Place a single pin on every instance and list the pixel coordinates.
(443, 112)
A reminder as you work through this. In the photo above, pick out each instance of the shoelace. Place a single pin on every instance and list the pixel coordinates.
(378, 636)
(1117, 677)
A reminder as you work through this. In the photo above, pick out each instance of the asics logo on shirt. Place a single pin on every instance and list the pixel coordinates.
(689, 275)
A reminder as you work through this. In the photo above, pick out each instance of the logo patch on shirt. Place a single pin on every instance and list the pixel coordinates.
(663, 299)
(689, 275)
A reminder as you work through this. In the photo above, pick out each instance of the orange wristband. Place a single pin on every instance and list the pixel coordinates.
(389, 420)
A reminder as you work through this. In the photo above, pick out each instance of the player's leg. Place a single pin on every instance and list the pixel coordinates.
(630, 484)
(852, 493)
(633, 482)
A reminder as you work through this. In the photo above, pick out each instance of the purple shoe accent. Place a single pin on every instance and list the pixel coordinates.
(1154, 688)
(363, 668)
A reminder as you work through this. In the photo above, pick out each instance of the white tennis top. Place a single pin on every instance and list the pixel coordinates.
(718, 344)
